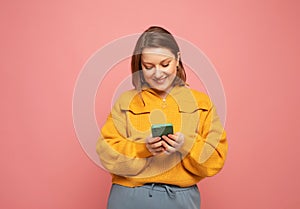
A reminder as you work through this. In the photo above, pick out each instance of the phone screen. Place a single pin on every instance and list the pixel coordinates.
(161, 129)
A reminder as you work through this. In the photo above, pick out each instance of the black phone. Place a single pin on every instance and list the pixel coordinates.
(158, 130)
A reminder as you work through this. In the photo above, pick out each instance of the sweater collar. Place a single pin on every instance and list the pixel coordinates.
(183, 95)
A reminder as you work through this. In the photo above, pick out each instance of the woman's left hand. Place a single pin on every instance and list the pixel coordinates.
(172, 142)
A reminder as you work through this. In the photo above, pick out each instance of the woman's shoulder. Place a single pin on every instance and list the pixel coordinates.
(203, 100)
(199, 94)
(191, 99)
(127, 99)
(127, 95)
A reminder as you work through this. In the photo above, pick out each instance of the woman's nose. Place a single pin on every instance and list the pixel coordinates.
(158, 72)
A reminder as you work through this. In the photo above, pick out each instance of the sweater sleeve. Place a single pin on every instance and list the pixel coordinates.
(208, 153)
(119, 154)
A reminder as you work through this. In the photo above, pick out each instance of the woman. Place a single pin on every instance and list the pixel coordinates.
(160, 172)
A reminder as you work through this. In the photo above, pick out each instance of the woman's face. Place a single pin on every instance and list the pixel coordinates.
(159, 69)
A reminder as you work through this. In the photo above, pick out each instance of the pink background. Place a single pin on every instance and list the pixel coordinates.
(254, 46)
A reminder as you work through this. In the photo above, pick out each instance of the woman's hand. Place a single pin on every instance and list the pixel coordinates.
(166, 144)
(154, 145)
(172, 142)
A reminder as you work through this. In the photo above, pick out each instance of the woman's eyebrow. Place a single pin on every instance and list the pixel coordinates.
(160, 61)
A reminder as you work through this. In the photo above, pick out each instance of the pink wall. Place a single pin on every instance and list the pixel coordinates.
(254, 46)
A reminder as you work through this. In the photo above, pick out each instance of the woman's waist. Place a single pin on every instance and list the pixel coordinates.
(171, 178)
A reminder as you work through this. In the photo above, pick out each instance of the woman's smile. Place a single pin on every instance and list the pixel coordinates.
(160, 80)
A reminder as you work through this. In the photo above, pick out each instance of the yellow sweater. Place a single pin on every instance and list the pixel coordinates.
(121, 145)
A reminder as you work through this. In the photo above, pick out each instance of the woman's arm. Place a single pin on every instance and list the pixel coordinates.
(208, 153)
(119, 154)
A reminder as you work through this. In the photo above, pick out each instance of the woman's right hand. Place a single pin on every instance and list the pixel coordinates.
(154, 145)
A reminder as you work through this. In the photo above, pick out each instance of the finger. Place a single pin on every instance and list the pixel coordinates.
(168, 149)
(178, 137)
(173, 136)
(159, 150)
(170, 141)
(156, 145)
(153, 140)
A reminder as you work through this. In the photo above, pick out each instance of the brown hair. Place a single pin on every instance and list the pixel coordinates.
(155, 37)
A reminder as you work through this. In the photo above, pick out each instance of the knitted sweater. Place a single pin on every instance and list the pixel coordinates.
(122, 150)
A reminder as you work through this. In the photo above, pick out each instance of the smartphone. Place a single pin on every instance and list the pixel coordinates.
(161, 129)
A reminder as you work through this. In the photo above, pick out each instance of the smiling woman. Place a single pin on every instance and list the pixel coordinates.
(159, 69)
(160, 172)
(158, 44)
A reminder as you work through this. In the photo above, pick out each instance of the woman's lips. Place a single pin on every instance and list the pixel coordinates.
(160, 81)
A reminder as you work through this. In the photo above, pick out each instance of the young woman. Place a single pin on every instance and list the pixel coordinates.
(162, 171)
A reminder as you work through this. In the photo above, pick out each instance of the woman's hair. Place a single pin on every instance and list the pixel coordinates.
(155, 37)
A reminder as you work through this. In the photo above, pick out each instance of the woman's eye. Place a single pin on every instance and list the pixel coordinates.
(165, 65)
(148, 67)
